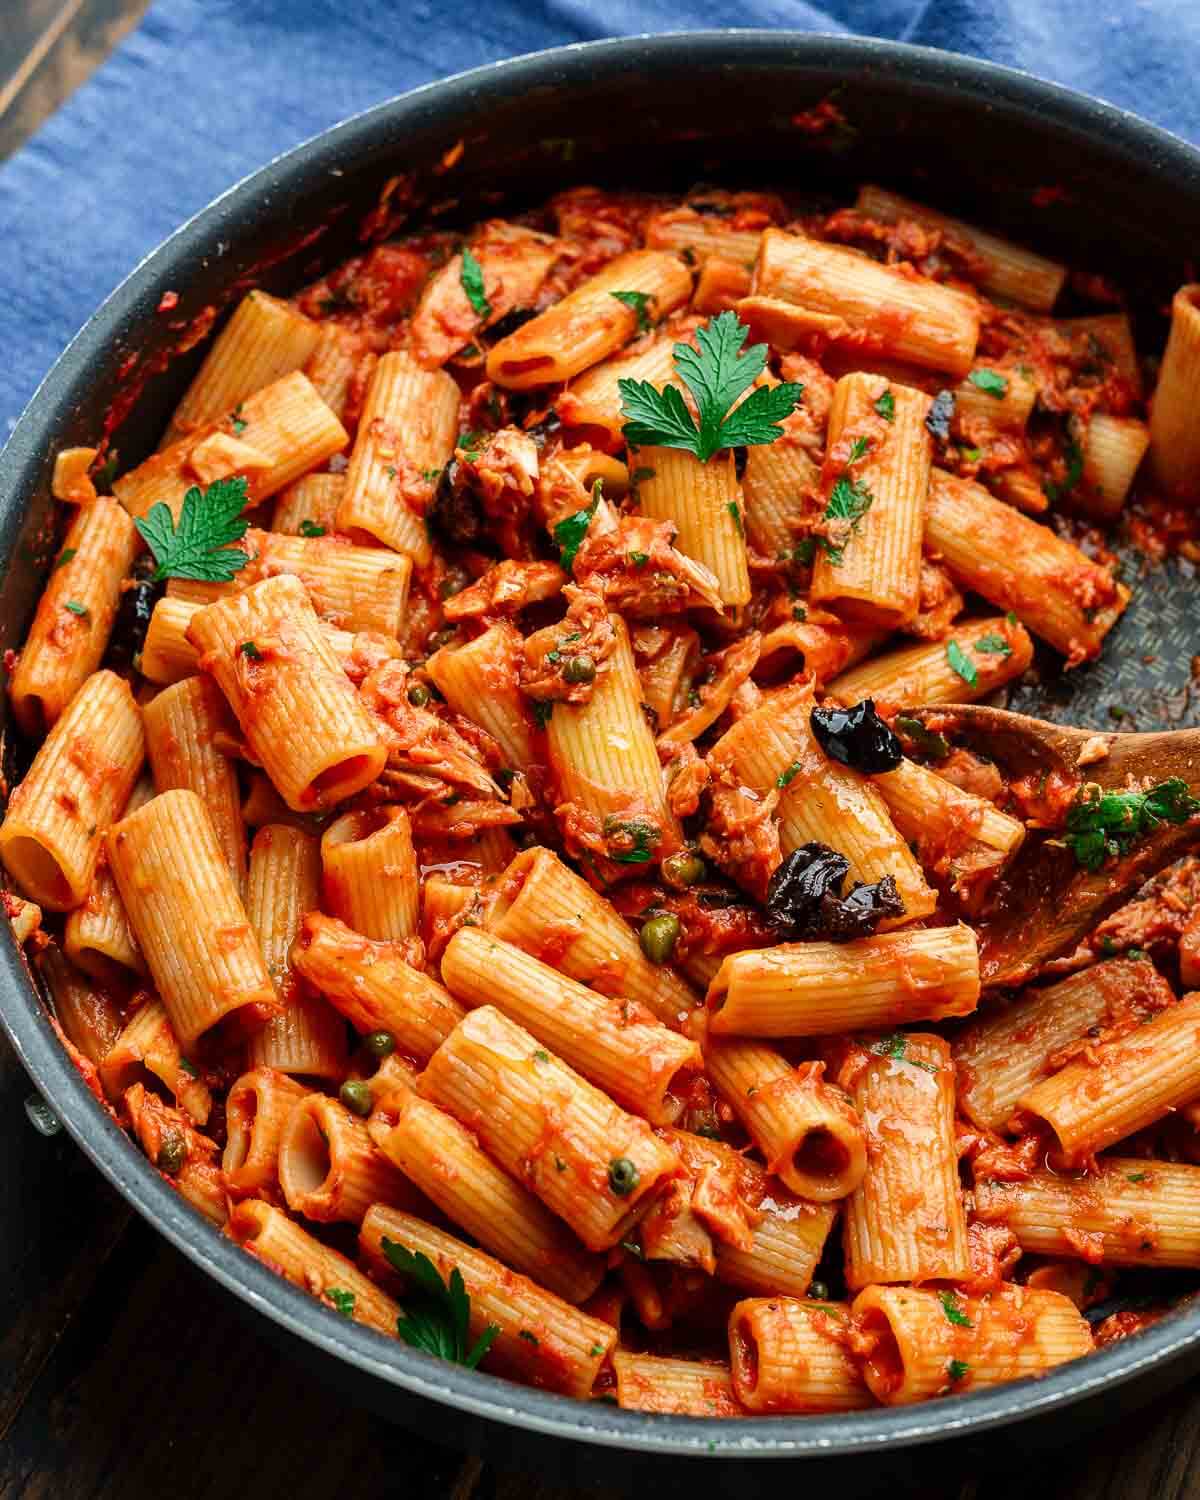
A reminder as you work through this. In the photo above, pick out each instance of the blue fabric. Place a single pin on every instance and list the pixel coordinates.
(206, 90)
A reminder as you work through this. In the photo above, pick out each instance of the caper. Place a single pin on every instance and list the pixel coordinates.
(172, 1152)
(356, 1096)
(818, 1291)
(622, 1176)
(684, 868)
(579, 669)
(418, 695)
(380, 1043)
(658, 937)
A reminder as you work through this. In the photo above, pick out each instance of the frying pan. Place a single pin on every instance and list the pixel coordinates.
(1068, 175)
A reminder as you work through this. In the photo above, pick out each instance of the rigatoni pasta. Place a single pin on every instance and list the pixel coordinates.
(604, 947)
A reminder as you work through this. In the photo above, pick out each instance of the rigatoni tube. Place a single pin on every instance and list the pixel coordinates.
(788, 1355)
(279, 1242)
(958, 669)
(283, 884)
(589, 322)
(369, 873)
(681, 1387)
(1174, 439)
(74, 616)
(820, 989)
(905, 1220)
(256, 1110)
(441, 1157)
(589, 1161)
(373, 986)
(900, 316)
(870, 566)
(928, 1343)
(298, 710)
(79, 781)
(188, 917)
(614, 1042)
(542, 1340)
(704, 503)
(330, 1168)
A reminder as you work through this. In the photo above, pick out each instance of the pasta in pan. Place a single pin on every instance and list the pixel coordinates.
(537, 871)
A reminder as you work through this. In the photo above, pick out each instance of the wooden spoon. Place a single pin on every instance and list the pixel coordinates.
(1046, 902)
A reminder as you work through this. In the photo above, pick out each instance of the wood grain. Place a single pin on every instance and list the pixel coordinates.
(47, 49)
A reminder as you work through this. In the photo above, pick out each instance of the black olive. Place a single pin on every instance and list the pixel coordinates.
(804, 898)
(740, 458)
(797, 887)
(133, 615)
(857, 737)
(455, 514)
(940, 415)
(511, 321)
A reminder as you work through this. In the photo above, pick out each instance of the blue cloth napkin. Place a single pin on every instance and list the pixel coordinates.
(204, 91)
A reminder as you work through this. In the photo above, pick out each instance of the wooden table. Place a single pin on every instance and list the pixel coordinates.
(125, 1374)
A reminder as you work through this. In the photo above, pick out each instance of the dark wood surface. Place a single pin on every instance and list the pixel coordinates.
(125, 1374)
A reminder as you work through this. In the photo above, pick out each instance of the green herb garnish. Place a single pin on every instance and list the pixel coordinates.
(248, 648)
(436, 1319)
(789, 775)
(643, 836)
(1103, 825)
(886, 406)
(1136, 1176)
(993, 645)
(962, 663)
(927, 741)
(957, 1369)
(954, 1314)
(733, 510)
(342, 1301)
(569, 533)
(310, 528)
(471, 277)
(201, 544)
(990, 382)
(64, 557)
(1074, 457)
(716, 374)
(638, 302)
(78, 609)
(896, 1047)
(849, 501)
(542, 709)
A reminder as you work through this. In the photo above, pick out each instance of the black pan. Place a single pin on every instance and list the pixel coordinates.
(1064, 173)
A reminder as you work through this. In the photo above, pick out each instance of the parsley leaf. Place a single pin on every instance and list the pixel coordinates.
(542, 710)
(849, 501)
(962, 663)
(638, 302)
(954, 1314)
(886, 406)
(896, 1047)
(436, 1316)
(990, 382)
(641, 837)
(200, 545)
(1136, 1176)
(733, 510)
(958, 1369)
(248, 648)
(716, 373)
(1074, 456)
(785, 777)
(471, 277)
(993, 645)
(342, 1300)
(64, 557)
(639, 559)
(569, 534)
(310, 528)
(78, 609)
(858, 449)
(927, 741)
(1103, 824)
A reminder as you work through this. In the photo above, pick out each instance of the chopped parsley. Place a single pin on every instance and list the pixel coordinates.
(733, 510)
(641, 839)
(896, 1047)
(530, 1338)
(201, 545)
(471, 277)
(64, 557)
(436, 1317)
(1074, 456)
(957, 1369)
(716, 373)
(342, 1301)
(237, 421)
(542, 709)
(1103, 825)
(927, 741)
(78, 609)
(990, 382)
(639, 559)
(993, 645)
(1136, 1176)
(954, 1313)
(789, 775)
(248, 648)
(961, 663)
(858, 449)
(849, 501)
(311, 528)
(886, 406)
(638, 302)
(569, 534)
(541, 1055)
